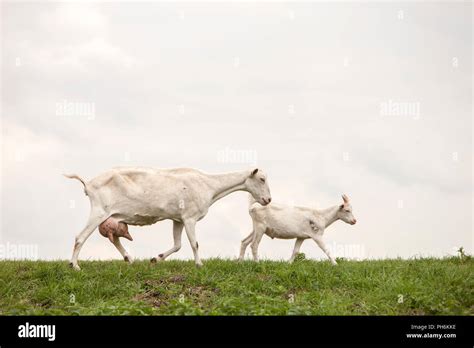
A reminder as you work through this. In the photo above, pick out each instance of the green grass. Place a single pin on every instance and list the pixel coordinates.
(225, 287)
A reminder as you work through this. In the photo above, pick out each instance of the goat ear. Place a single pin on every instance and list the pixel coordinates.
(254, 172)
(345, 199)
(341, 206)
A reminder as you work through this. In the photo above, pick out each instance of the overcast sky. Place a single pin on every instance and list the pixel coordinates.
(369, 99)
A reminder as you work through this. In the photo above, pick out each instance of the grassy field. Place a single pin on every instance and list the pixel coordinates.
(225, 287)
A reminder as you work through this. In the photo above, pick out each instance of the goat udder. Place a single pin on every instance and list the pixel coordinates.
(112, 227)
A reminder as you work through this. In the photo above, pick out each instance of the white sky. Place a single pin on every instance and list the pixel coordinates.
(298, 86)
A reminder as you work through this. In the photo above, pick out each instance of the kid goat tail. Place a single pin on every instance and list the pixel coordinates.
(77, 177)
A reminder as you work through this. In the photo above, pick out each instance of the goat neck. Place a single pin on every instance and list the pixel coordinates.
(329, 215)
(224, 184)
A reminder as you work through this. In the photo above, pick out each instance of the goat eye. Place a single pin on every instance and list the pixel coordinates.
(262, 179)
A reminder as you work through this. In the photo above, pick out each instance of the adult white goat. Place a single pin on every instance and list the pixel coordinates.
(143, 196)
(288, 222)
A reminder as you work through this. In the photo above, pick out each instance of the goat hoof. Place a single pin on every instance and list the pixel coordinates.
(74, 266)
(199, 265)
(128, 259)
(157, 259)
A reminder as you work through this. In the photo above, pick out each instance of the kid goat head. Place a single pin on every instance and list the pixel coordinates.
(345, 211)
(257, 185)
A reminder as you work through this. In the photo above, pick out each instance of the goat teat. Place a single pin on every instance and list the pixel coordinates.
(112, 227)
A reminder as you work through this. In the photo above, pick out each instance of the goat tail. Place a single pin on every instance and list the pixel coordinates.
(77, 177)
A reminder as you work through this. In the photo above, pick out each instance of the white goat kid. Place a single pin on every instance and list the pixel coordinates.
(143, 196)
(288, 222)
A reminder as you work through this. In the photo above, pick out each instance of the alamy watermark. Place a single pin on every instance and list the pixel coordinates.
(240, 156)
(347, 251)
(400, 108)
(18, 251)
(76, 108)
(28, 330)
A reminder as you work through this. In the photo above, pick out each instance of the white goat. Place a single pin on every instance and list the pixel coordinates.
(143, 196)
(288, 222)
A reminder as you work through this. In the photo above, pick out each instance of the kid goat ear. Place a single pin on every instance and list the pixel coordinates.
(345, 198)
